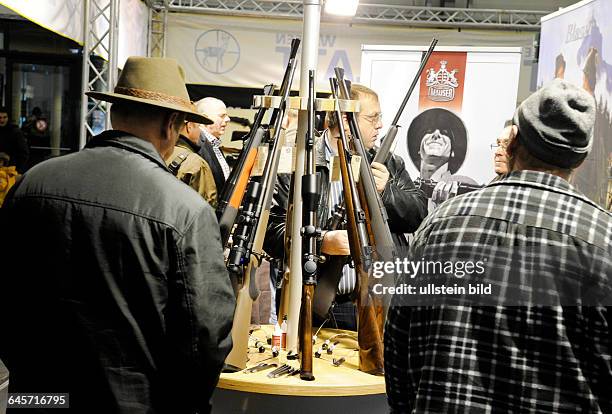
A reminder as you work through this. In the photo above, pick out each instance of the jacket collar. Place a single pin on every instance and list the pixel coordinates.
(539, 179)
(184, 142)
(125, 141)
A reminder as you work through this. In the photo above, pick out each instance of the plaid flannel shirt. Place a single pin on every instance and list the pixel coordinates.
(484, 359)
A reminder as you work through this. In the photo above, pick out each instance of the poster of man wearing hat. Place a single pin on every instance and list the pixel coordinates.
(454, 114)
(437, 144)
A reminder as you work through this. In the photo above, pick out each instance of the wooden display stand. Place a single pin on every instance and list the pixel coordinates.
(334, 388)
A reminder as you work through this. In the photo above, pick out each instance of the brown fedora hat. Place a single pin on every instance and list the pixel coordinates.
(153, 81)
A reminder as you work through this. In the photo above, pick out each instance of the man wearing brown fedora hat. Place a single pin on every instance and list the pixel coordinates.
(121, 298)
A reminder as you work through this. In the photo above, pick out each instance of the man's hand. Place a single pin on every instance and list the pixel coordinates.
(444, 190)
(335, 243)
(381, 176)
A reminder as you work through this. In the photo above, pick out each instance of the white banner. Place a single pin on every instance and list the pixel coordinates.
(65, 17)
(576, 44)
(252, 52)
(133, 30)
(485, 100)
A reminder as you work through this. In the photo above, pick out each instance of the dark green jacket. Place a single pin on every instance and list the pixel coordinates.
(115, 290)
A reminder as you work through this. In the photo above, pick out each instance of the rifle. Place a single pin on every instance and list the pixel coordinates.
(369, 336)
(249, 235)
(427, 186)
(389, 140)
(381, 240)
(234, 189)
(293, 295)
(375, 209)
(309, 240)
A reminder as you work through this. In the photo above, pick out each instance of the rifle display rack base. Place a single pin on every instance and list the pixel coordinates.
(335, 389)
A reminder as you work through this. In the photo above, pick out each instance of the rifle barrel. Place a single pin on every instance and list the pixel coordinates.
(389, 139)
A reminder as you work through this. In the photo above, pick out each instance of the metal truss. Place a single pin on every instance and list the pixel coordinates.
(158, 21)
(380, 14)
(100, 29)
(450, 17)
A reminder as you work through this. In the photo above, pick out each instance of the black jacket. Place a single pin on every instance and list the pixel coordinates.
(13, 143)
(206, 151)
(405, 204)
(113, 283)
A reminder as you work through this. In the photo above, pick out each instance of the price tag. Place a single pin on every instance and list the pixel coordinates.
(336, 172)
(260, 161)
(286, 163)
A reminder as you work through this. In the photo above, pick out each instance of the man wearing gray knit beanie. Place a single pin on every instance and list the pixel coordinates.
(555, 125)
(542, 244)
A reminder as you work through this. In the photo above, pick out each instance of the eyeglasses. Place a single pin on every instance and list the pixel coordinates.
(501, 142)
(374, 119)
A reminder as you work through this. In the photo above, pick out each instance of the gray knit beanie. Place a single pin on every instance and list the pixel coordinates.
(556, 123)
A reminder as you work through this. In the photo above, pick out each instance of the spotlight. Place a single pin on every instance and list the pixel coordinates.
(341, 7)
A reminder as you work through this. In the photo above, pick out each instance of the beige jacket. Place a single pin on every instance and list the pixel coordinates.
(194, 171)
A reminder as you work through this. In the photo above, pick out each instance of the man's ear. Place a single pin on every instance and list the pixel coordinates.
(169, 125)
(512, 141)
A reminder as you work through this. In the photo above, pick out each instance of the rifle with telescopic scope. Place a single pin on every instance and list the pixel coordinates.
(246, 251)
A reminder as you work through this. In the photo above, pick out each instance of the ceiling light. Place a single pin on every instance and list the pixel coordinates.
(341, 7)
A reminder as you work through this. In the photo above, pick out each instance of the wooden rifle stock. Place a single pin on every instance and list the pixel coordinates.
(305, 333)
(369, 337)
(237, 358)
(388, 141)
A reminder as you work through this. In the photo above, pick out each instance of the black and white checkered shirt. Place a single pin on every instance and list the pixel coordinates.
(489, 359)
(216, 145)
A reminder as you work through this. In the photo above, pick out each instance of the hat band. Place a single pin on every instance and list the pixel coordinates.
(154, 96)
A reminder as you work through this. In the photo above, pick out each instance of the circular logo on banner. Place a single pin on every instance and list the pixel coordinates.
(217, 51)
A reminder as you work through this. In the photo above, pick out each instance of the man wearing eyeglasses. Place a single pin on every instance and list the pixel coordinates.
(500, 158)
(405, 204)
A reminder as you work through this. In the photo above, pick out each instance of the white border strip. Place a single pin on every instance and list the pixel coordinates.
(566, 9)
(486, 49)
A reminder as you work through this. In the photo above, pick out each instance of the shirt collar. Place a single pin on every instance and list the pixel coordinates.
(216, 142)
(543, 180)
